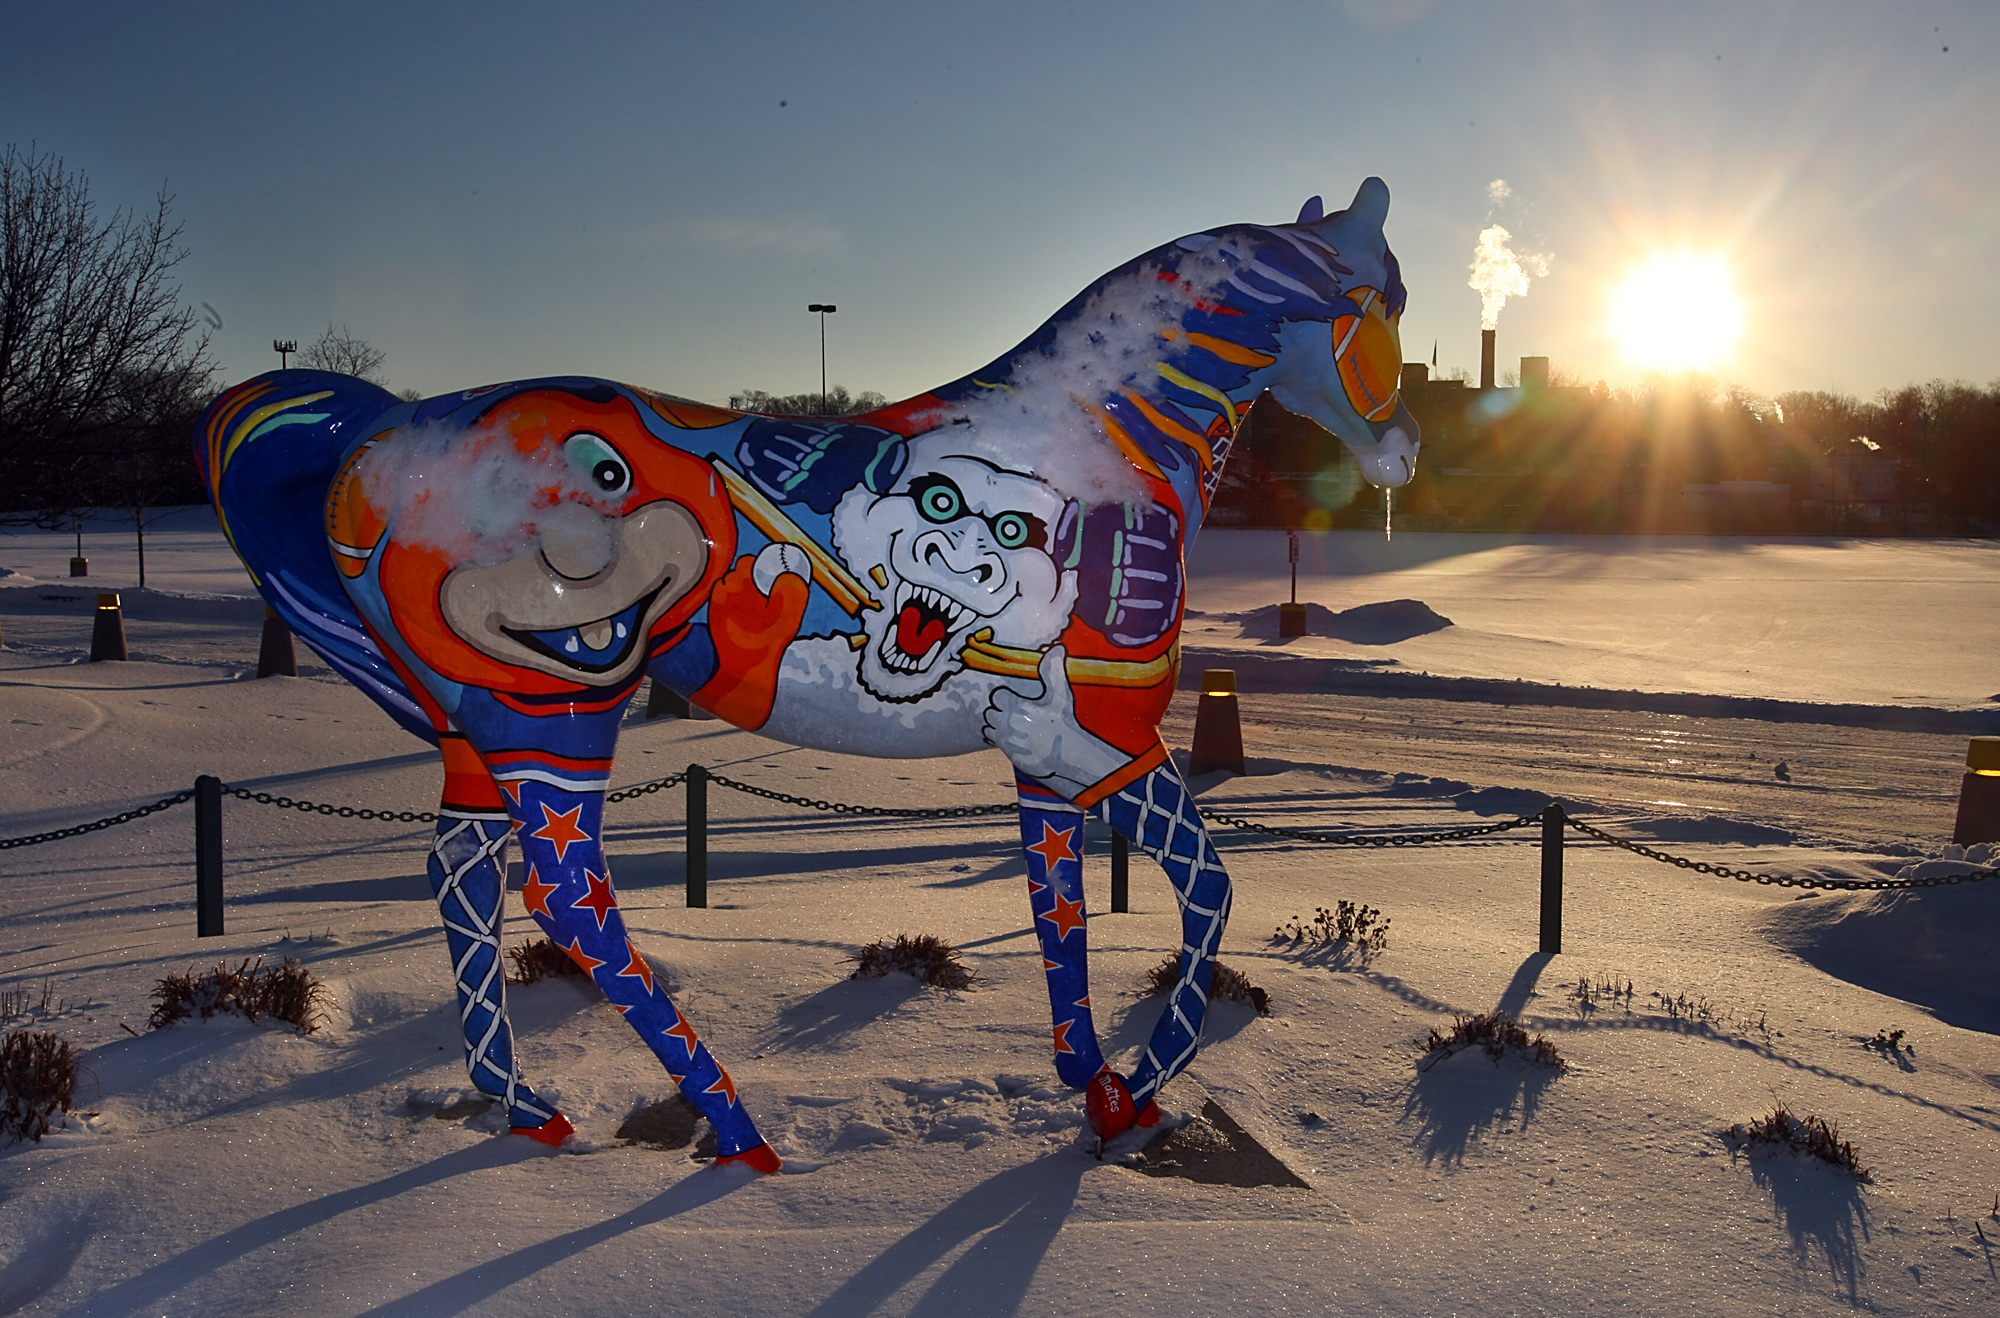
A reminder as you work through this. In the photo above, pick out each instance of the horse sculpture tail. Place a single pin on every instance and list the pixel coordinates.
(269, 450)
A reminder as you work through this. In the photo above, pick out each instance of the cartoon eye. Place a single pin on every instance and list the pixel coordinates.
(1011, 530)
(939, 500)
(600, 464)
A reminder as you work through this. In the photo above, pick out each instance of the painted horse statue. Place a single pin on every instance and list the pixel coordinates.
(998, 562)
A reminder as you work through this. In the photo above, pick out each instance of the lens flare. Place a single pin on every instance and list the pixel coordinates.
(1677, 311)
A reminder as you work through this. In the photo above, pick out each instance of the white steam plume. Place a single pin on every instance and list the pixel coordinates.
(1498, 271)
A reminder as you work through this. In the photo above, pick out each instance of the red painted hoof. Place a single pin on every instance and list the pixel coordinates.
(763, 1158)
(1151, 1116)
(551, 1132)
(1108, 1104)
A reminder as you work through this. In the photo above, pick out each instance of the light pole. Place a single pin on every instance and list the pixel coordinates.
(284, 347)
(824, 309)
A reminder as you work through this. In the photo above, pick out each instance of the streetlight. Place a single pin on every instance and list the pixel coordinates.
(824, 309)
(283, 347)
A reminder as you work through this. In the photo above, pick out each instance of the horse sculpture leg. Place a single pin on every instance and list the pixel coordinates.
(1158, 815)
(1052, 842)
(568, 891)
(469, 884)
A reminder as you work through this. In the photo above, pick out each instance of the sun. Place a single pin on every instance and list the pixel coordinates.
(1677, 311)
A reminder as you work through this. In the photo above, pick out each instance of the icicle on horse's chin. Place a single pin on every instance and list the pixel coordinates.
(995, 563)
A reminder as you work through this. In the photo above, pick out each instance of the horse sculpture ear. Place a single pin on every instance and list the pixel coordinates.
(1371, 203)
(1312, 212)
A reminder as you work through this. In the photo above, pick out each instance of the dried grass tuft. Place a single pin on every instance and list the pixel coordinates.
(1226, 983)
(37, 1082)
(1809, 1135)
(285, 992)
(1496, 1032)
(924, 957)
(1348, 922)
(540, 960)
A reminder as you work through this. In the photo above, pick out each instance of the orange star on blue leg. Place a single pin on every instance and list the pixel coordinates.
(535, 894)
(684, 1031)
(638, 967)
(1067, 915)
(599, 901)
(1054, 846)
(560, 830)
(584, 960)
(1062, 1037)
(723, 1085)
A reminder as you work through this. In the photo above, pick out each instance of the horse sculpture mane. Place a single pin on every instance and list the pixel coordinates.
(998, 562)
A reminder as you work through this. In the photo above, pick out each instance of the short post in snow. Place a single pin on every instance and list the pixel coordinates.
(276, 656)
(1121, 874)
(208, 856)
(107, 634)
(1218, 727)
(697, 837)
(1552, 878)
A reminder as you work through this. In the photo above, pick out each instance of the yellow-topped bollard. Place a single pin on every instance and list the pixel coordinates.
(1218, 728)
(1979, 794)
(107, 634)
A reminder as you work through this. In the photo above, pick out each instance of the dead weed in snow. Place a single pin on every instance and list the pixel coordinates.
(541, 960)
(1225, 983)
(1810, 1135)
(286, 991)
(1498, 1033)
(925, 957)
(37, 1082)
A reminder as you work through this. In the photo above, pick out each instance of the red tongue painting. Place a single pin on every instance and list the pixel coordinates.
(915, 634)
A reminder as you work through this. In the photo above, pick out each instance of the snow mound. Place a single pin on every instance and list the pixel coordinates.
(1934, 947)
(1384, 623)
(1709, 828)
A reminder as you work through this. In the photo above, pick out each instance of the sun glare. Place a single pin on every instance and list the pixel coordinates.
(1677, 311)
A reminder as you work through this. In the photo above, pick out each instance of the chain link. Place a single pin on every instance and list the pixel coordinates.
(164, 803)
(870, 811)
(1373, 839)
(1978, 875)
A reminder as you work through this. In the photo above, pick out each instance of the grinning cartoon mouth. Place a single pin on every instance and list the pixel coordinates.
(925, 619)
(593, 647)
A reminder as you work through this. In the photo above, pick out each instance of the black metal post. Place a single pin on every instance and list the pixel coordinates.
(697, 837)
(1552, 878)
(662, 701)
(208, 856)
(1121, 874)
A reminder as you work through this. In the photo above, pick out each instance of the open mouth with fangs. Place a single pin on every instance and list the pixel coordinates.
(924, 620)
(593, 647)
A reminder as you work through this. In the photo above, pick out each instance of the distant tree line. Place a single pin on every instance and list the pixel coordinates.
(1679, 455)
(835, 402)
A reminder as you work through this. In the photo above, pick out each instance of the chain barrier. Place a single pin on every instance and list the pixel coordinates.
(1977, 875)
(647, 789)
(868, 811)
(1373, 839)
(1974, 875)
(340, 811)
(164, 803)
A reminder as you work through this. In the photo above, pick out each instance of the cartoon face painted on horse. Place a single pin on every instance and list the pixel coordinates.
(996, 563)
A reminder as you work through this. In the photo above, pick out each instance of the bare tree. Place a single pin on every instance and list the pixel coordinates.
(338, 350)
(94, 341)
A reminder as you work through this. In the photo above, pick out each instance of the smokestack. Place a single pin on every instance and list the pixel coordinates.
(1486, 358)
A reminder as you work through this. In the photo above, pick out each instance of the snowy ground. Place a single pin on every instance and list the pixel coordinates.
(933, 1166)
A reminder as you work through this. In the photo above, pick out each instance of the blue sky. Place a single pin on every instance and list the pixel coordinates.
(655, 192)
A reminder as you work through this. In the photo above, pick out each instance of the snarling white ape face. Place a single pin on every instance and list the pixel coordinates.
(965, 546)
